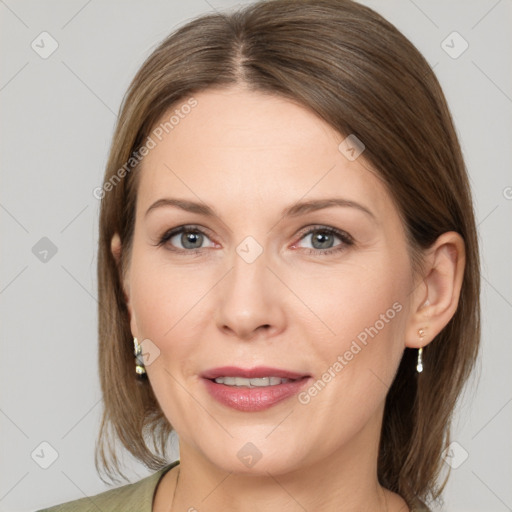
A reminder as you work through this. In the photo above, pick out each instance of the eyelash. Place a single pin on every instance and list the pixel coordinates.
(345, 238)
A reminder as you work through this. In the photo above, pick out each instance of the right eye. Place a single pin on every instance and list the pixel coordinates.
(185, 239)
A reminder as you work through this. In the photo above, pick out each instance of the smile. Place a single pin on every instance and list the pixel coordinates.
(254, 389)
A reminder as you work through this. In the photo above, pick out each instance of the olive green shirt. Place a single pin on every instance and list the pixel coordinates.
(136, 497)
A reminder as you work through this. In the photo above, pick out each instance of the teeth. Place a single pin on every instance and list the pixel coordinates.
(251, 383)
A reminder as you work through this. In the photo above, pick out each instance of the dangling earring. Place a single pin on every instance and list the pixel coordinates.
(419, 364)
(139, 360)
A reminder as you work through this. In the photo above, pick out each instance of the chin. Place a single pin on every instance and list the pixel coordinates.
(258, 458)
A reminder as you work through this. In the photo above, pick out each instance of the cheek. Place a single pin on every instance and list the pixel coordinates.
(169, 304)
(166, 304)
(352, 299)
(164, 297)
(355, 364)
(363, 310)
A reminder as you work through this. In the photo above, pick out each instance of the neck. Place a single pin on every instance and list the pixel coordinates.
(345, 481)
(293, 492)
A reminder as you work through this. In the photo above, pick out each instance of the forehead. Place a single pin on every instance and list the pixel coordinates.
(241, 148)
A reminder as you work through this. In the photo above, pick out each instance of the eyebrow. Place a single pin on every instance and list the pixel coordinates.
(300, 208)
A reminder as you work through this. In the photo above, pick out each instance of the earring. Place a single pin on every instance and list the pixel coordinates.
(139, 360)
(419, 364)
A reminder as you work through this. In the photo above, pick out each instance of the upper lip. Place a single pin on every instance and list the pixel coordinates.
(251, 373)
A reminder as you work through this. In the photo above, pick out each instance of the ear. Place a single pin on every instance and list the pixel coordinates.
(436, 296)
(116, 249)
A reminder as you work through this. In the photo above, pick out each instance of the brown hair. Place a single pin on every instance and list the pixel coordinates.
(357, 72)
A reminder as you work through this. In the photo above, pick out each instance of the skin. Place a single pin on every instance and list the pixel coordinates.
(249, 156)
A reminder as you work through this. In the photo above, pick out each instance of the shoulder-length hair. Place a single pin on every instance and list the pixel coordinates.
(358, 73)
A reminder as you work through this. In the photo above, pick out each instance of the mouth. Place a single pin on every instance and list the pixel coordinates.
(252, 389)
(242, 382)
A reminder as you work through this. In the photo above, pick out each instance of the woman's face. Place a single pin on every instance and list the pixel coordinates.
(269, 279)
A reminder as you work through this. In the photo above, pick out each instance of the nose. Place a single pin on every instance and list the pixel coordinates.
(250, 301)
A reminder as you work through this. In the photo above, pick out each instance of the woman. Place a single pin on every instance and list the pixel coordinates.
(288, 268)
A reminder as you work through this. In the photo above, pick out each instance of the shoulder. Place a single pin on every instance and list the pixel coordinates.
(135, 496)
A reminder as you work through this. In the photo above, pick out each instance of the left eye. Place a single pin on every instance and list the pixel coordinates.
(323, 239)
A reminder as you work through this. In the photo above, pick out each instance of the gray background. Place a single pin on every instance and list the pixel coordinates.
(57, 120)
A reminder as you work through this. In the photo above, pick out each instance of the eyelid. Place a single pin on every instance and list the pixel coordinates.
(328, 229)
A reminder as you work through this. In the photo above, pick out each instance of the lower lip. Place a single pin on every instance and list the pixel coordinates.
(253, 399)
